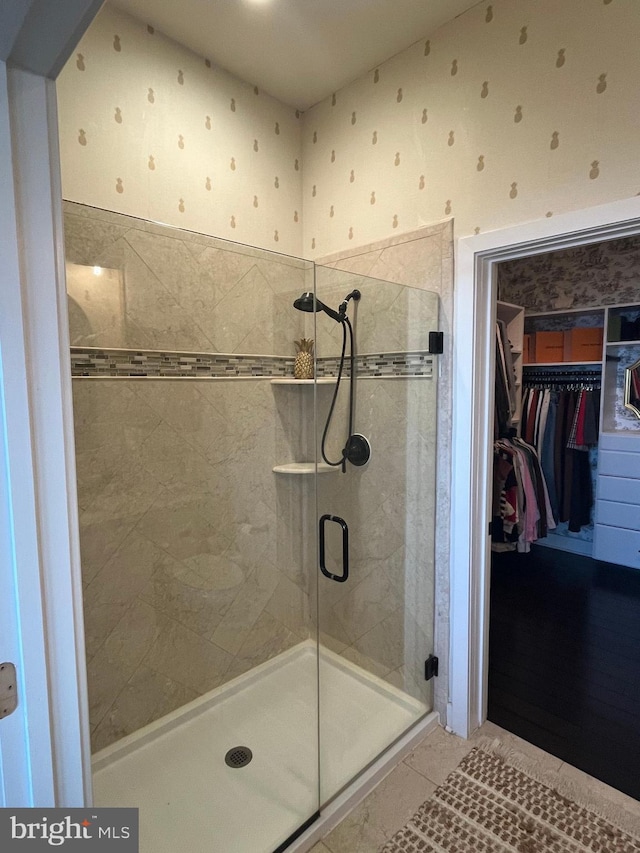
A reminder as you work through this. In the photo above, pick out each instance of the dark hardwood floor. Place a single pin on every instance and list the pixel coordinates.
(564, 660)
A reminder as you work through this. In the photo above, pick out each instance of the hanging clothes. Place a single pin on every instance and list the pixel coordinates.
(562, 422)
(521, 507)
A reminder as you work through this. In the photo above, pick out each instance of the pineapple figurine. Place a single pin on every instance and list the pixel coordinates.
(303, 366)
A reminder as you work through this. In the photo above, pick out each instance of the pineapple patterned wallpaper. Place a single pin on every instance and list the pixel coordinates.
(149, 129)
(512, 112)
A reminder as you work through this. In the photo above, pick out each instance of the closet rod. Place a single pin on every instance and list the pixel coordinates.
(571, 379)
(565, 384)
(571, 373)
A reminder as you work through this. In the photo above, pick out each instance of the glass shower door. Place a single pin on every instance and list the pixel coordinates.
(376, 518)
(195, 464)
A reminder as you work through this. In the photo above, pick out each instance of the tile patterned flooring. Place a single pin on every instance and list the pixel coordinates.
(390, 805)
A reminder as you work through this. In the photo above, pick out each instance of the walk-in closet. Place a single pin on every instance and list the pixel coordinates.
(564, 651)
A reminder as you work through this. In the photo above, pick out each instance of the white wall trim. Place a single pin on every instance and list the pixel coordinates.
(25, 737)
(49, 426)
(474, 317)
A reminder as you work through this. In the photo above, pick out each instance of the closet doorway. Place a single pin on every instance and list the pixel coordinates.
(564, 636)
(475, 296)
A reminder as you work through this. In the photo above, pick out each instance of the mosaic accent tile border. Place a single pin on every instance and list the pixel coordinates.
(384, 364)
(88, 363)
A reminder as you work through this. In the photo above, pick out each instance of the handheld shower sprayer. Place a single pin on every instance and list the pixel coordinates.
(357, 449)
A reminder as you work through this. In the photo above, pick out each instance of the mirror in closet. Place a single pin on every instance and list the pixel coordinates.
(632, 388)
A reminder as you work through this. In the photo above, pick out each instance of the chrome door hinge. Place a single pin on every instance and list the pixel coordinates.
(8, 689)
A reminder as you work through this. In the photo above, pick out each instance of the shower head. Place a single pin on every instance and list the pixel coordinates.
(309, 303)
(306, 302)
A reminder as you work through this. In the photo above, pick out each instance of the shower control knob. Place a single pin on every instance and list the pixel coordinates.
(358, 450)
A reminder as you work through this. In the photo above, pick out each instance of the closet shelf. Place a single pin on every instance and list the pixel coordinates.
(623, 343)
(299, 468)
(559, 312)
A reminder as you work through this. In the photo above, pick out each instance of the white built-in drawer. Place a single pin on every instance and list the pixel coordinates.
(616, 545)
(616, 463)
(628, 441)
(619, 489)
(617, 514)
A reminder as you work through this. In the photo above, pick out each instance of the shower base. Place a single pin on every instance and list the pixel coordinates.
(174, 769)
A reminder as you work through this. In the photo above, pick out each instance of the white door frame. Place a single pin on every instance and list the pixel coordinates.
(39, 494)
(25, 734)
(475, 294)
(44, 745)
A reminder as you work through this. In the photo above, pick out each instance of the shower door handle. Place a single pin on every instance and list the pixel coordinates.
(345, 548)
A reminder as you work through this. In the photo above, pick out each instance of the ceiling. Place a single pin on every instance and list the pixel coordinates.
(299, 51)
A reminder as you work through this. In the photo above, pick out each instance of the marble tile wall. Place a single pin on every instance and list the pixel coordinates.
(192, 551)
(383, 618)
(177, 290)
(182, 526)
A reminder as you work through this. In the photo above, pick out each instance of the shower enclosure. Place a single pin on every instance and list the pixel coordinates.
(257, 621)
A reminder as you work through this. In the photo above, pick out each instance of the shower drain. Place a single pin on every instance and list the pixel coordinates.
(238, 756)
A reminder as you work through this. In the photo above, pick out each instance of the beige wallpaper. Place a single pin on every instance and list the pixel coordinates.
(149, 129)
(512, 112)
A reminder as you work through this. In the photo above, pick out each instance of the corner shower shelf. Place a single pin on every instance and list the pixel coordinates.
(304, 468)
(323, 380)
